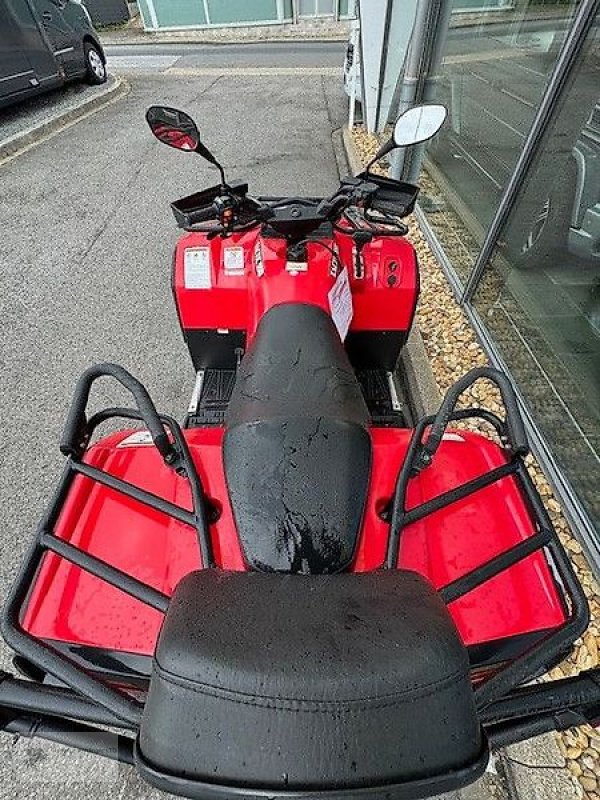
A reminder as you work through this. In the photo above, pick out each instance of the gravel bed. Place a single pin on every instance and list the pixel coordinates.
(453, 349)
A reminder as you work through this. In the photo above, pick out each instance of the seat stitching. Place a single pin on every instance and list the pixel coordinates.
(300, 704)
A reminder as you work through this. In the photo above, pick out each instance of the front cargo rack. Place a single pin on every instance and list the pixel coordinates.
(508, 711)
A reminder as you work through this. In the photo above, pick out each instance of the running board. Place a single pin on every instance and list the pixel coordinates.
(210, 398)
(386, 398)
(384, 394)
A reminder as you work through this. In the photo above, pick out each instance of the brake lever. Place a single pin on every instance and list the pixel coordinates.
(330, 205)
(398, 228)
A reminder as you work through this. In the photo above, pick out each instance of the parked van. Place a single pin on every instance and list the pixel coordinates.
(44, 44)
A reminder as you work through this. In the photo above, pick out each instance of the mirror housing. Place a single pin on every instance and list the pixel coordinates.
(177, 129)
(419, 124)
(173, 128)
(414, 126)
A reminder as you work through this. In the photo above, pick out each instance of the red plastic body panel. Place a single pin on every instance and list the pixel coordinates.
(69, 605)
(383, 299)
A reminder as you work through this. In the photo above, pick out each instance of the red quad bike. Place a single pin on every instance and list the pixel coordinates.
(303, 592)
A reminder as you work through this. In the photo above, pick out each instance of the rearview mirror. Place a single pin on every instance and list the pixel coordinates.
(418, 124)
(178, 130)
(173, 127)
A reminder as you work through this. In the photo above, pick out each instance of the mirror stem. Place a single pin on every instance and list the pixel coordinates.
(374, 160)
(383, 151)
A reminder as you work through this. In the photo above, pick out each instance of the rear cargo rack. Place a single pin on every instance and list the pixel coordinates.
(508, 712)
(77, 434)
(424, 442)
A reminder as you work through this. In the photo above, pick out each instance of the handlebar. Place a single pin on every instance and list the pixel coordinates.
(232, 209)
(202, 214)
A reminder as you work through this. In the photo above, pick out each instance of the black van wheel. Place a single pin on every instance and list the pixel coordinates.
(538, 237)
(94, 64)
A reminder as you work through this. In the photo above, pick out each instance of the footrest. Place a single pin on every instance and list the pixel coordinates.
(385, 401)
(211, 406)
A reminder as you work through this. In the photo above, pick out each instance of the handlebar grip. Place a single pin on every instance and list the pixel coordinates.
(514, 422)
(74, 438)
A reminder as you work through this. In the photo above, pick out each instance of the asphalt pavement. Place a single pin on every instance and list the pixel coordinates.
(251, 54)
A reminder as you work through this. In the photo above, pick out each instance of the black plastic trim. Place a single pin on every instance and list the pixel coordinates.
(409, 790)
(375, 349)
(210, 349)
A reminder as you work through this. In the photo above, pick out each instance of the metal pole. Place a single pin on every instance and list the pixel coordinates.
(356, 51)
(412, 73)
(436, 48)
(566, 62)
(426, 43)
(352, 102)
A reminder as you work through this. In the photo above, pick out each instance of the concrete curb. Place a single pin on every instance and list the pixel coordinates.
(532, 770)
(115, 88)
(149, 38)
(418, 374)
(537, 770)
(354, 161)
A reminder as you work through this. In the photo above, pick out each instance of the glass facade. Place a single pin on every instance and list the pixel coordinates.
(221, 13)
(158, 14)
(316, 8)
(494, 73)
(539, 294)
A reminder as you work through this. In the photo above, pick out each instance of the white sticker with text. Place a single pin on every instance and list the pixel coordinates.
(233, 260)
(258, 261)
(340, 303)
(139, 437)
(196, 268)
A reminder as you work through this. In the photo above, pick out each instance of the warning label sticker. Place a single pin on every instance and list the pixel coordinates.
(233, 260)
(258, 260)
(196, 268)
(340, 303)
(139, 437)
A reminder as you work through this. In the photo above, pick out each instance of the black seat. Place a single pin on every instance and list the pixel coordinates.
(309, 684)
(297, 451)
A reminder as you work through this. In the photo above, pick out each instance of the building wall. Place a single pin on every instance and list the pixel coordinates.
(202, 13)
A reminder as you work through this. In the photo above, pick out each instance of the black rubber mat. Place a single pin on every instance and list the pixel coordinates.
(218, 385)
(215, 396)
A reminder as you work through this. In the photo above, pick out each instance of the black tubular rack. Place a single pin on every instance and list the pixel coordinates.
(508, 711)
(78, 431)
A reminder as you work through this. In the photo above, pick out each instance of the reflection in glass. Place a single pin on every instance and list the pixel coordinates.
(494, 73)
(540, 295)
